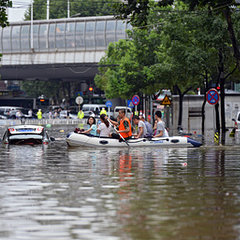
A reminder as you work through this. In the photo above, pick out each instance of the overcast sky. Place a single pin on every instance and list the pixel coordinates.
(16, 13)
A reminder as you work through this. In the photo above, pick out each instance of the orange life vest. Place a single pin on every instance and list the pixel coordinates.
(121, 127)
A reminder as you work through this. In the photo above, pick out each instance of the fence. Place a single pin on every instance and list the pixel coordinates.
(12, 122)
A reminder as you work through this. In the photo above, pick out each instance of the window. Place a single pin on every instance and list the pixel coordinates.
(51, 36)
(80, 35)
(25, 38)
(100, 34)
(70, 35)
(110, 31)
(60, 35)
(43, 40)
(90, 32)
(16, 38)
(7, 39)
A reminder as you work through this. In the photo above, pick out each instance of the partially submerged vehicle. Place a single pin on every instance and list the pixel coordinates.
(26, 134)
(78, 139)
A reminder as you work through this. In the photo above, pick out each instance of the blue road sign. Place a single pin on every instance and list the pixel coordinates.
(135, 100)
(212, 96)
(130, 103)
(108, 103)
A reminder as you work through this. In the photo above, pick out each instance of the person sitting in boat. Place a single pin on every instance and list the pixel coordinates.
(161, 130)
(148, 126)
(92, 127)
(142, 130)
(104, 128)
(124, 126)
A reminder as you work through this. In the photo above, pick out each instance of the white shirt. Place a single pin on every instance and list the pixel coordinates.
(142, 124)
(161, 127)
(104, 130)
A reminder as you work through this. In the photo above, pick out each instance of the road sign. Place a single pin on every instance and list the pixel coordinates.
(212, 96)
(79, 100)
(135, 100)
(108, 103)
(166, 101)
(130, 103)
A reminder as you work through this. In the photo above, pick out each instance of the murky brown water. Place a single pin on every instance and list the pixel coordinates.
(56, 193)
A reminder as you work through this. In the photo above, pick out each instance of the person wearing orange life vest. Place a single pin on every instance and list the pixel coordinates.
(124, 126)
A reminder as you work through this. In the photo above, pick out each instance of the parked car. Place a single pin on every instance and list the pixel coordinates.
(237, 122)
(9, 111)
(68, 113)
(2, 117)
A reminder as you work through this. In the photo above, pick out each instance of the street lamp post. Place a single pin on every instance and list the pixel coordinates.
(32, 24)
(68, 12)
(48, 9)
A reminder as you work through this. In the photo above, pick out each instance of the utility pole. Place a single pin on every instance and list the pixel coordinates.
(48, 9)
(32, 24)
(68, 9)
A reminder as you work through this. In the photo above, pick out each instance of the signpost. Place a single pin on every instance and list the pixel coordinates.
(135, 101)
(79, 101)
(212, 96)
(109, 105)
(130, 104)
(166, 101)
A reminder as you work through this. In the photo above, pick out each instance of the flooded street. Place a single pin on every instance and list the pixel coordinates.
(53, 192)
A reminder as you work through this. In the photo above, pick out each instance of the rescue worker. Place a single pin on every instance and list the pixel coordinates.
(80, 114)
(103, 111)
(124, 126)
(39, 114)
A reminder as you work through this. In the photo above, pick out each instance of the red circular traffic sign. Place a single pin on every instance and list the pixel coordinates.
(212, 96)
(135, 100)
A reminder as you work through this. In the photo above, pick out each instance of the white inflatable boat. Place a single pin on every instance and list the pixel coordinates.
(77, 139)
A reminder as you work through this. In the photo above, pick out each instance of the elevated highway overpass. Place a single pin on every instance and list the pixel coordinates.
(57, 49)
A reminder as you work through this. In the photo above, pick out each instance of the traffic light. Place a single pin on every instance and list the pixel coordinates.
(218, 88)
(90, 89)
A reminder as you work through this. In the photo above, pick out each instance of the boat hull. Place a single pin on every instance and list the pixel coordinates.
(78, 140)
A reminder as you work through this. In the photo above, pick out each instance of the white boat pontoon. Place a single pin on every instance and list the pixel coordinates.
(77, 139)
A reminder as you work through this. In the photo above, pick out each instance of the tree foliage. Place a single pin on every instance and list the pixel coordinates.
(4, 4)
(176, 49)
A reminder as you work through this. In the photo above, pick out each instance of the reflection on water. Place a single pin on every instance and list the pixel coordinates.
(59, 193)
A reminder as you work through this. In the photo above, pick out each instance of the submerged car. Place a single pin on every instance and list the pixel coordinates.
(26, 134)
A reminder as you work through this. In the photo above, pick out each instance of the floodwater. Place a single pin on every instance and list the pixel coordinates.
(57, 193)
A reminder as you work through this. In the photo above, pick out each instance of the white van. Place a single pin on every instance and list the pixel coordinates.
(9, 111)
(89, 109)
(128, 111)
(237, 122)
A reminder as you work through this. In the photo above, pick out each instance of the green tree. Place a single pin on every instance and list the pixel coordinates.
(4, 4)
(125, 68)
(178, 50)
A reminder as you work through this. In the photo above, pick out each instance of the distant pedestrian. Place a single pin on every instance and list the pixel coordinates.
(39, 114)
(80, 114)
(19, 114)
(30, 113)
(103, 111)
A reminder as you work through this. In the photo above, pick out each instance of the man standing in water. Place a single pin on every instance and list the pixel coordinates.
(124, 126)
